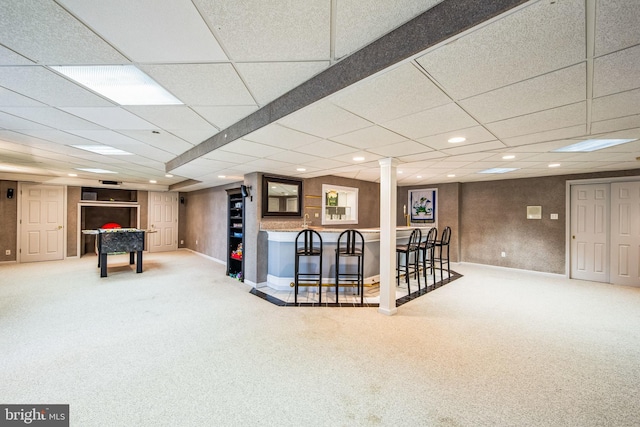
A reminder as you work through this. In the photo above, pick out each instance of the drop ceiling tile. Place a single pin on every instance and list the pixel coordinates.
(562, 87)
(370, 159)
(46, 33)
(163, 141)
(629, 122)
(325, 149)
(194, 136)
(255, 30)
(171, 117)
(52, 117)
(432, 122)
(294, 157)
(400, 149)
(616, 72)
(555, 134)
(8, 57)
(281, 137)
(8, 121)
(483, 146)
(368, 138)
(324, 164)
(556, 118)
(150, 31)
(324, 120)
(208, 84)
(12, 99)
(513, 48)
(269, 80)
(111, 117)
(617, 105)
(224, 116)
(359, 22)
(269, 165)
(49, 88)
(242, 146)
(399, 92)
(616, 25)
(422, 157)
(473, 135)
(229, 157)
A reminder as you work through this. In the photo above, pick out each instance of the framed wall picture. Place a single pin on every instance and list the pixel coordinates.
(422, 205)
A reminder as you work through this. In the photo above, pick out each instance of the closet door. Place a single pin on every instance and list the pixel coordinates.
(590, 232)
(625, 233)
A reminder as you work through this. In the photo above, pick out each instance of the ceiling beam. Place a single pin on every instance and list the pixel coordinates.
(433, 26)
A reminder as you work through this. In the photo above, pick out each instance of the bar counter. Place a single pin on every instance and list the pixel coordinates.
(281, 253)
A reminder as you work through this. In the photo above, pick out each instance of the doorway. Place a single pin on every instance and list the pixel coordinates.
(163, 221)
(605, 232)
(41, 220)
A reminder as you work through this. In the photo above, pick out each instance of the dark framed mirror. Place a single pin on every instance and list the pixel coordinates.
(281, 196)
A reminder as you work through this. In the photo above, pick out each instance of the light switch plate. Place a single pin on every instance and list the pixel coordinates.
(554, 216)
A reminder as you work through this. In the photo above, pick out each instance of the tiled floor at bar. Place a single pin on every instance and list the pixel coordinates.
(348, 295)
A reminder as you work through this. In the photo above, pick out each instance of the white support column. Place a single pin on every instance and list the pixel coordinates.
(388, 201)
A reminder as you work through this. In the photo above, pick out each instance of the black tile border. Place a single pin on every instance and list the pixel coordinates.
(400, 301)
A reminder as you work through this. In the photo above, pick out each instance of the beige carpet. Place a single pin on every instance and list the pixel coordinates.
(183, 345)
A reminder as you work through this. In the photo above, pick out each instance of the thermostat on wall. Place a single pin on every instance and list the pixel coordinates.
(534, 212)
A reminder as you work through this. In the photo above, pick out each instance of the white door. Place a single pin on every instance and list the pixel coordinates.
(625, 233)
(163, 221)
(590, 232)
(41, 223)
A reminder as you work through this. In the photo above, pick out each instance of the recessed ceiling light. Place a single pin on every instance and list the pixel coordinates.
(95, 170)
(592, 145)
(222, 176)
(153, 181)
(124, 84)
(419, 176)
(169, 175)
(400, 172)
(104, 150)
(498, 170)
(358, 159)
(72, 174)
(451, 175)
(508, 157)
(457, 139)
(301, 169)
(554, 165)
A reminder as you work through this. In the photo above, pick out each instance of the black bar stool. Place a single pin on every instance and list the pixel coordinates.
(351, 244)
(412, 247)
(308, 244)
(428, 248)
(443, 244)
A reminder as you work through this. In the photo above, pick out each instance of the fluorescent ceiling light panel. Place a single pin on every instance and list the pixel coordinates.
(124, 84)
(104, 150)
(95, 170)
(499, 170)
(592, 145)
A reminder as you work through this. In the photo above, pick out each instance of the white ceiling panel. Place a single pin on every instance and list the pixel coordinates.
(537, 39)
(538, 137)
(280, 136)
(49, 88)
(194, 136)
(47, 34)
(11, 99)
(9, 121)
(326, 149)
(57, 137)
(111, 117)
(473, 135)
(359, 22)
(617, 105)
(229, 157)
(258, 30)
(422, 157)
(222, 117)
(294, 157)
(616, 72)
(324, 120)
(400, 92)
(164, 140)
(556, 118)
(327, 164)
(171, 117)
(483, 146)
(133, 27)
(563, 87)
(432, 122)
(616, 25)
(400, 149)
(50, 117)
(208, 84)
(628, 122)
(243, 146)
(269, 80)
(368, 138)
(8, 57)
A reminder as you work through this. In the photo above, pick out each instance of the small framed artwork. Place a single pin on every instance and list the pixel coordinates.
(422, 205)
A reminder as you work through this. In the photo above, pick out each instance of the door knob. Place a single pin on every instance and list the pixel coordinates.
(573, 237)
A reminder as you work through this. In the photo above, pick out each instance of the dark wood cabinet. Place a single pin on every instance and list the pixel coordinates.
(235, 233)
